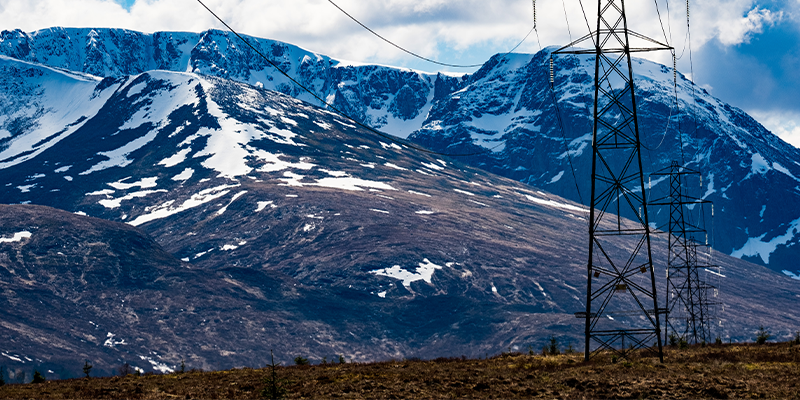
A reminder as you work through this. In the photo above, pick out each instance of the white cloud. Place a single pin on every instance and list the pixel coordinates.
(784, 124)
(741, 30)
(423, 26)
(467, 30)
(732, 22)
(433, 28)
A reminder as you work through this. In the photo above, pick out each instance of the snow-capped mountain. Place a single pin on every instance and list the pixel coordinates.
(394, 100)
(505, 109)
(311, 236)
(509, 108)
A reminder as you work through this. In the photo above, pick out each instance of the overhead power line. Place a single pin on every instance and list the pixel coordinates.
(331, 106)
(423, 57)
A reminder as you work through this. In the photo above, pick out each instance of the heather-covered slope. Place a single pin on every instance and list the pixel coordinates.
(708, 372)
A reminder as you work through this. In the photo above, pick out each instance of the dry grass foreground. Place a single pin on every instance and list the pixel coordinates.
(714, 371)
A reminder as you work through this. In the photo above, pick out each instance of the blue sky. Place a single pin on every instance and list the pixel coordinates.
(761, 76)
(746, 52)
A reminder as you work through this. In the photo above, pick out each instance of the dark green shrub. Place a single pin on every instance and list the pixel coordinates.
(2, 379)
(300, 360)
(38, 377)
(718, 340)
(762, 335)
(552, 347)
(341, 359)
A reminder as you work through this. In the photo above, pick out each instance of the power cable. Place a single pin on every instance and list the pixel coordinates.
(555, 104)
(691, 69)
(331, 106)
(585, 18)
(658, 11)
(674, 68)
(669, 21)
(564, 136)
(569, 31)
(420, 56)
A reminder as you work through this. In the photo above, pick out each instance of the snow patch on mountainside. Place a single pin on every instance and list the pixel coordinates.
(167, 209)
(758, 247)
(343, 182)
(791, 274)
(184, 175)
(556, 204)
(18, 236)
(119, 157)
(143, 183)
(115, 203)
(44, 96)
(229, 150)
(423, 272)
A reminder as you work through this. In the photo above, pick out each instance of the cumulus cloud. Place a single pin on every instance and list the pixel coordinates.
(425, 26)
(785, 124)
(741, 30)
(433, 28)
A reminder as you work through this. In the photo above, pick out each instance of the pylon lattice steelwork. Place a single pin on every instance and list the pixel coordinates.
(621, 301)
(687, 300)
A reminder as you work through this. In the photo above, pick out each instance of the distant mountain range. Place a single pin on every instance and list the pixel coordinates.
(276, 224)
(505, 109)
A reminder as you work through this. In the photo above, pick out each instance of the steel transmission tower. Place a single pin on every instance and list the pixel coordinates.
(622, 311)
(687, 300)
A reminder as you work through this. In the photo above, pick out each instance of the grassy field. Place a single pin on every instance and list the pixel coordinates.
(748, 371)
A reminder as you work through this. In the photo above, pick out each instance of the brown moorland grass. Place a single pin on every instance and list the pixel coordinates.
(714, 371)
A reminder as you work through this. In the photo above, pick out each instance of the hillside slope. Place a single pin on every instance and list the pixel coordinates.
(297, 231)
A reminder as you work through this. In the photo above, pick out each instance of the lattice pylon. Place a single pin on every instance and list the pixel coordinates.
(687, 301)
(621, 302)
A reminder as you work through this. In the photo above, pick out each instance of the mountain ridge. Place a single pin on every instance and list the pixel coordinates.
(510, 117)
